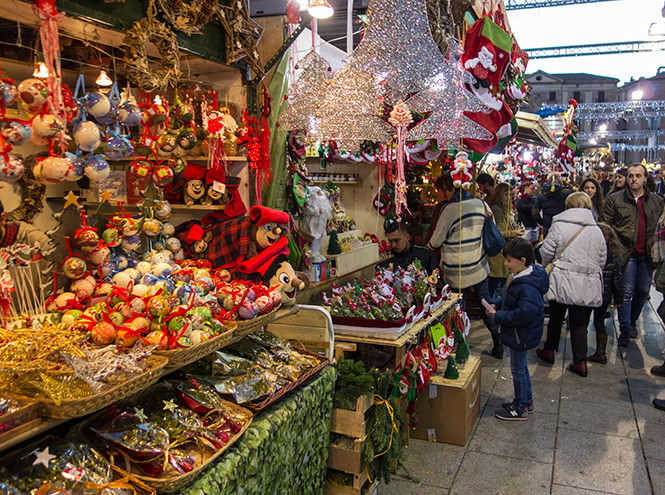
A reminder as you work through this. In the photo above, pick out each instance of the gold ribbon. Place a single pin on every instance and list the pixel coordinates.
(121, 483)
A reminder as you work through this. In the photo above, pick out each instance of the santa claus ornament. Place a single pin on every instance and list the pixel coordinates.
(461, 171)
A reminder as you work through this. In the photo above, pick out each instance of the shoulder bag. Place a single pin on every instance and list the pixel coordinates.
(493, 241)
(550, 266)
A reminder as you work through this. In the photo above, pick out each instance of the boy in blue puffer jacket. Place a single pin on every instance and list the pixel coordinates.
(521, 318)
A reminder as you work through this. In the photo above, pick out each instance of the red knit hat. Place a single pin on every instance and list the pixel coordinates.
(195, 172)
(261, 215)
(194, 234)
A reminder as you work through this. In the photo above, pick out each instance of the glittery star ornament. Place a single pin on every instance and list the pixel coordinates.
(306, 95)
(447, 99)
(243, 35)
(169, 405)
(43, 457)
(140, 415)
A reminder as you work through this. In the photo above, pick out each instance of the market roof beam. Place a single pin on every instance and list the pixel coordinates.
(537, 4)
(596, 49)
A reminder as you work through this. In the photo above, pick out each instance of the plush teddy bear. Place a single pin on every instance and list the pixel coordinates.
(193, 192)
(197, 241)
(213, 196)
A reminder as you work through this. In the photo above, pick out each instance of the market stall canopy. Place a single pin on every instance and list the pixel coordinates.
(532, 129)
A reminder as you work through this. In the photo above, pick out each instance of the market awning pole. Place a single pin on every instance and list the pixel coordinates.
(349, 27)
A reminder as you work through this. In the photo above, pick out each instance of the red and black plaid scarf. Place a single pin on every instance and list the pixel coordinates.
(230, 242)
(11, 232)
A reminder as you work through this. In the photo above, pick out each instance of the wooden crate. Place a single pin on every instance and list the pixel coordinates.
(347, 460)
(357, 488)
(351, 423)
(352, 260)
(23, 419)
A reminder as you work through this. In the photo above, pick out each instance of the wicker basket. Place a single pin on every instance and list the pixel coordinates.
(140, 487)
(173, 484)
(182, 357)
(262, 402)
(76, 408)
(246, 327)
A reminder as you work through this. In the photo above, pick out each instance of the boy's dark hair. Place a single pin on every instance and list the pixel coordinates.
(392, 225)
(444, 182)
(485, 179)
(519, 248)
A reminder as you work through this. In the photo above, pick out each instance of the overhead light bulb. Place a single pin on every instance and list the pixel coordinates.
(320, 9)
(593, 141)
(103, 79)
(637, 94)
(157, 100)
(40, 71)
(602, 128)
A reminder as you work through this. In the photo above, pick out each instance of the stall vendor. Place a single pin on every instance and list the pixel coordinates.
(404, 251)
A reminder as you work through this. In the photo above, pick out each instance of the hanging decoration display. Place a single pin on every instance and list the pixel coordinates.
(447, 98)
(306, 95)
(567, 150)
(190, 18)
(150, 30)
(400, 117)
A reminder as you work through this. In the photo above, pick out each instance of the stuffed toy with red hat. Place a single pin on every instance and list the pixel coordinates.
(197, 240)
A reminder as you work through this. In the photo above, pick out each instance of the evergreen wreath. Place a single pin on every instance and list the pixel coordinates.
(149, 30)
(190, 18)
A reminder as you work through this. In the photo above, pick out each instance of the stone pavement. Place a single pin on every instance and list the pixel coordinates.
(587, 436)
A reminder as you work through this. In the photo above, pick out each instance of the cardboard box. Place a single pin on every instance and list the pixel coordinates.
(448, 409)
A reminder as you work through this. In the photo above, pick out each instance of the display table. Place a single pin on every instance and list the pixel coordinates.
(285, 450)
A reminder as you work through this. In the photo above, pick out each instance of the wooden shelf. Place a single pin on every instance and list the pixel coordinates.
(336, 181)
(242, 159)
(45, 425)
(178, 208)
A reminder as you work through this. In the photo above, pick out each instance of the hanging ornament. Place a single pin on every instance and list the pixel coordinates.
(10, 92)
(16, 133)
(11, 168)
(51, 170)
(74, 267)
(76, 167)
(177, 163)
(33, 93)
(87, 135)
(161, 175)
(96, 104)
(97, 168)
(129, 114)
(400, 117)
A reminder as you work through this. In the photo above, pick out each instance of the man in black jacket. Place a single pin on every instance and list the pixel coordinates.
(524, 207)
(634, 213)
(404, 251)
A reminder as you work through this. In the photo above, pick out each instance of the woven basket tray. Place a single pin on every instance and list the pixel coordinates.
(140, 487)
(76, 408)
(181, 357)
(260, 403)
(245, 327)
(174, 483)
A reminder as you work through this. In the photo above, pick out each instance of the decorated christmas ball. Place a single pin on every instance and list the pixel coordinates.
(116, 318)
(145, 146)
(247, 310)
(85, 239)
(129, 114)
(140, 324)
(76, 167)
(167, 142)
(123, 279)
(16, 133)
(99, 255)
(143, 267)
(224, 275)
(162, 210)
(126, 337)
(70, 317)
(86, 135)
(159, 306)
(84, 287)
(195, 319)
(109, 117)
(10, 93)
(97, 104)
(11, 168)
(133, 307)
(161, 175)
(103, 333)
(184, 112)
(74, 267)
(152, 227)
(162, 270)
(149, 279)
(263, 304)
(198, 336)
(47, 126)
(173, 244)
(177, 163)
(51, 170)
(155, 114)
(187, 138)
(130, 243)
(276, 298)
(184, 292)
(140, 168)
(140, 290)
(96, 168)
(118, 148)
(121, 260)
(158, 338)
(129, 226)
(159, 257)
(168, 229)
(32, 92)
(108, 268)
(112, 236)
(65, 301)
(179, 255)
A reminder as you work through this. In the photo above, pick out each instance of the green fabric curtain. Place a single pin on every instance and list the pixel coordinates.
(274, 195)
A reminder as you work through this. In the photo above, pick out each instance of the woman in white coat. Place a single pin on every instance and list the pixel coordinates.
(576, 280)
